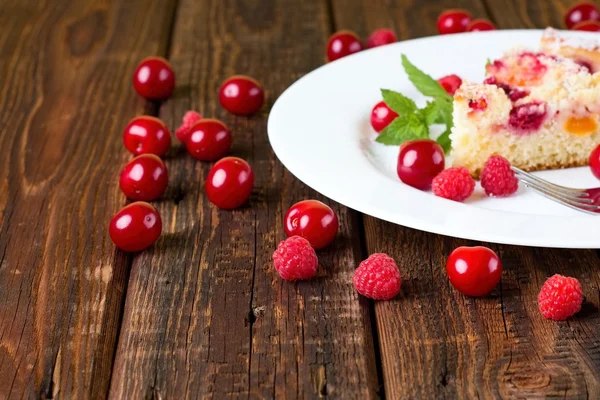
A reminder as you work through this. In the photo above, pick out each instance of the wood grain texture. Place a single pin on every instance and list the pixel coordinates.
(518, 14)
(436, 343)
(65, 96)
(206, 314)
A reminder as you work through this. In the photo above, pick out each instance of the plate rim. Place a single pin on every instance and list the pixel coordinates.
(407, 220)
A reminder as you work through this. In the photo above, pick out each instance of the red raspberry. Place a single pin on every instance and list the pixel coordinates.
(560, 298)
(189, 119)
(377, 277)
(381, 37)
(295, 259)
(454, 184)
(497, 179)
(528, 117)
(450, 83)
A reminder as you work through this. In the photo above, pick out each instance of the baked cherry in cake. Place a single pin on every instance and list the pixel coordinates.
(342, 44)
(154, 78)
(147, 135)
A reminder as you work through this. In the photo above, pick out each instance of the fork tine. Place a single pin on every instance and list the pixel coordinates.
(555, 187)
(569, 202)
(551, 190)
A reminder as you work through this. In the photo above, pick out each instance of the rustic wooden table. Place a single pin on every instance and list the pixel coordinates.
(202, 313)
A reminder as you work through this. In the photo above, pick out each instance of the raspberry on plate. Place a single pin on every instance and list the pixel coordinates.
(560, 298)
(189, 119)
(454, 184)
(497, 178)
(295, 259)
(377, 277)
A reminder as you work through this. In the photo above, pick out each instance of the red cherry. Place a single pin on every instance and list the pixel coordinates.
(313, 220)
(147, 135)
(474, 271)
(208, 140)
(144, 178)
(419, 162)
(342, 44)
(381, 37)
(595, 162)
(453, 21)
(382, 116)
(229, 183)
(587, 26)
(154, 78)
(241, 95)
(450, 83)
(135, 227)
(580, 12)
(481, 25)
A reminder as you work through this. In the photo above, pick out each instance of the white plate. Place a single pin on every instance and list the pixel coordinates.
(319, 128)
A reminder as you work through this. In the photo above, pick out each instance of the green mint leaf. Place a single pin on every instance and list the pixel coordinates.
(398, 102)
(423, 82)
(444, 141)
(444, 108)
(403, 128)
(431, 114)
(488, 62)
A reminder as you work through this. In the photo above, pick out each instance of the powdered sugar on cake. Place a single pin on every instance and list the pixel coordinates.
(553, 38)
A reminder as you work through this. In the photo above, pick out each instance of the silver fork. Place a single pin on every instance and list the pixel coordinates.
(584, 200)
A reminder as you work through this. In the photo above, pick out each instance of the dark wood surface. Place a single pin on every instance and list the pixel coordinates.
(202, 313)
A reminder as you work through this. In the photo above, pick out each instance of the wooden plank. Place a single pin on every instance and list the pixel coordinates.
(560, 359)
(206, 314)
(515, 14)
(436, 343)
(65, 96)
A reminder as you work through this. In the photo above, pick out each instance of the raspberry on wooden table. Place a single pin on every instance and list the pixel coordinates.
(560, 298)
(377, 277)
(497, 178)
(295, 259)
(189, 119)
(454, 184)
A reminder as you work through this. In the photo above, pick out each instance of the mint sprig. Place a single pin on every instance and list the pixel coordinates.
(404, 127)
(423, 82)
(398, 102)
(412, 122)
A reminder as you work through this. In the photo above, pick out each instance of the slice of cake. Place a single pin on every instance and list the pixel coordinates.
(538, 110)
(584, 52)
